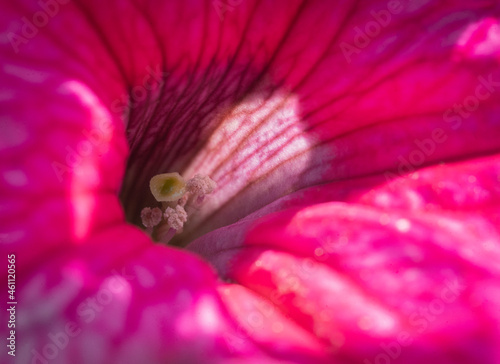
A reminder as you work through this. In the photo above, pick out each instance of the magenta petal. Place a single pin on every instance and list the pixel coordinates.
(408, 267)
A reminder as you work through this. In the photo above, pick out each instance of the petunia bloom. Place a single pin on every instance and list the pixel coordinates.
(354, 147)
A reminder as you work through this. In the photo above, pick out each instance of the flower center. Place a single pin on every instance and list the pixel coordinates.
(176, 196)
(245, 132)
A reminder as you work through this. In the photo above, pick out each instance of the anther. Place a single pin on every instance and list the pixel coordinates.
(200, 186)
(151, 217)
(174, 194)
(175, 218)
(167, 186)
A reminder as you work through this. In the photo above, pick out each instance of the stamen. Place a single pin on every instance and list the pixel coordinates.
(167, 186)
(175, 218)
(174, 194)
(151, 217)
(200, 186)
(165, 234)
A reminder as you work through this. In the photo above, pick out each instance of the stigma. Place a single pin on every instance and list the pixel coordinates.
(177, 198)
(167, 187)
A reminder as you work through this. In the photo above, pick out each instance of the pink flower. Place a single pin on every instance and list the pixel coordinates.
(355, 151)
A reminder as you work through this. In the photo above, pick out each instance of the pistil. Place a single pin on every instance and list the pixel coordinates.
(175, 196)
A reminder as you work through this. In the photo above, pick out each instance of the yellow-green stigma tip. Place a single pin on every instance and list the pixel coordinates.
(167, 187)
